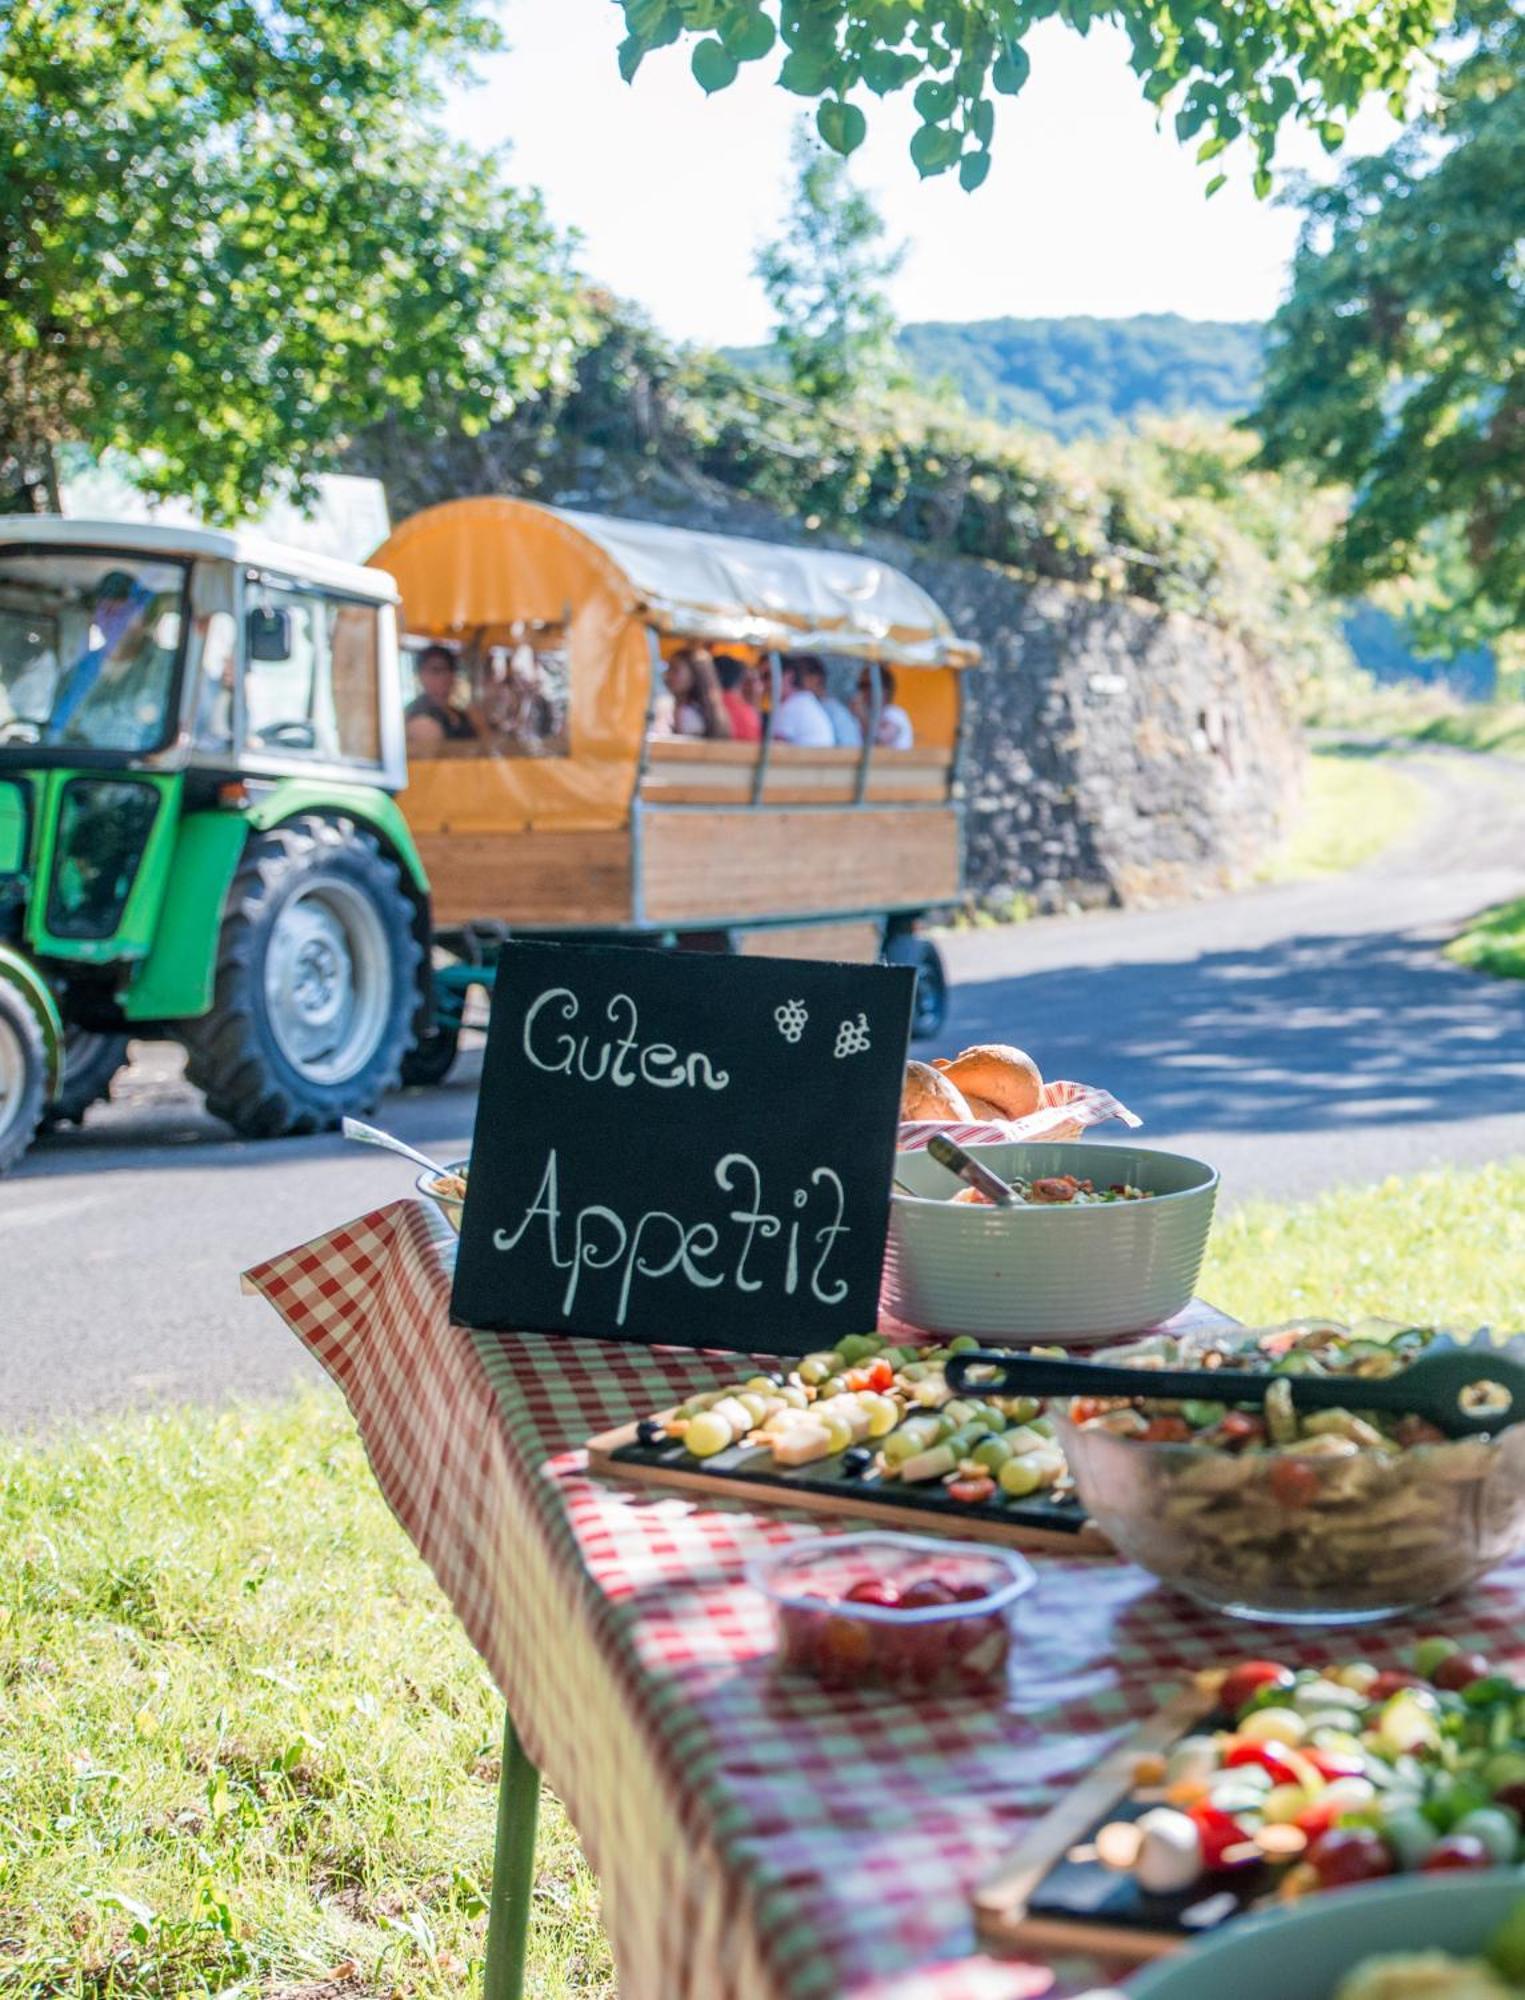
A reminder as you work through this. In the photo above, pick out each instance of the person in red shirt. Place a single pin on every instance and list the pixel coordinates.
(746, 723)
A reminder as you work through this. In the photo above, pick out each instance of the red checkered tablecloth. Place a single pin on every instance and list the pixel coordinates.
(754, 1838)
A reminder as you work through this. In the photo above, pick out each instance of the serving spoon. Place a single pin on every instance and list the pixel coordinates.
(372, 1135)
(1432, 1387)
(951, 1155)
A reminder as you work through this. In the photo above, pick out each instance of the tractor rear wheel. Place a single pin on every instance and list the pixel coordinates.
(90, 1063)
(23, 1075)
(317, 979)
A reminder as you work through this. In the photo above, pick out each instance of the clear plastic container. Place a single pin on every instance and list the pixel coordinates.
(841, 1615)
(1295, 1538)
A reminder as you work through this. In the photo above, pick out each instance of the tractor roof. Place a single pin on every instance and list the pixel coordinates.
(157, 538)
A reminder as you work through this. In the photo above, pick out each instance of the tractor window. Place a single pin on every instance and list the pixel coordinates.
(311, 673)
(103, 829)
(89, 646)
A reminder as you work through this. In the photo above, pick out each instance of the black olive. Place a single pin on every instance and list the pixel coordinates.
(856, 1461)
(650, 1431)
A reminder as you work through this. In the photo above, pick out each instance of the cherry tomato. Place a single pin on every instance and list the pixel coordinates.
(844, 1651)
(1244, 1682)
(970, 1492)
(875, 1590)
(881, 1375)
(1166, 1430)
(1219, 1831)
(1390, 1681)
(1417, 1430)
(1347, 1854)
(970, 1593)
(1457, 1851)
(1239, 1427)
(1083, 1408)
(924, 1592)
(1293, 1483)
(1332, 1764)
(1270, 1757)
(1459, 1670)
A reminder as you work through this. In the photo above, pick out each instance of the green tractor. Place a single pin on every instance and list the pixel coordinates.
(201, 736)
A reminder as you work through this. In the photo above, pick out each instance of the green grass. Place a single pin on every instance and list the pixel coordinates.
(1444, 1247)
(244, 1746)
(1354, 807)
(1493, 942)
(1496, 726)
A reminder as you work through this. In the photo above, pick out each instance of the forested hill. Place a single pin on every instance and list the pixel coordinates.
(1074, 376)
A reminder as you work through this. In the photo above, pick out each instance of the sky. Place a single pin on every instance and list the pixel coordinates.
(1090, 207)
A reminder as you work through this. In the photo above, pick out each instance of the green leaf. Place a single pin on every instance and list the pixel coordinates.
(1011, 70)
(1262, 183)
(982, 120)
(1217, 181)
(934, 101)
(883, 71)
(934, 148)
(632, 55)
(805, 72)
(1211, 148)
(972, 169)
(713, 65)
(748, 34)
(842, 126)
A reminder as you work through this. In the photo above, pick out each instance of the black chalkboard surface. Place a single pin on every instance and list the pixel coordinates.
(686, 1148)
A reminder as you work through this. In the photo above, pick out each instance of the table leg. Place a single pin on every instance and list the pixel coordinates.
(513, 1871)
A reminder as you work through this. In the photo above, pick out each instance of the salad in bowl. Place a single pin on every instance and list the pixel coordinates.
(1329, 1516)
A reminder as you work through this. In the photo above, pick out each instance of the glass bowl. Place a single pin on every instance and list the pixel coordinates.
(960, 1647)
(1296, 1537)
(445, 1199)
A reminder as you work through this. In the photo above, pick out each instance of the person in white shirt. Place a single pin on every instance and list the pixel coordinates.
(894, 731)
(846, 730)
(801, 716)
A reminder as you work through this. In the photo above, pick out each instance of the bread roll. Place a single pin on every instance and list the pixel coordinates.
(926, 1094)
(983, 1108)
(1001, 1078)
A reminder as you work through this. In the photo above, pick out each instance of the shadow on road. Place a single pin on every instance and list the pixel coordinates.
(1311, 1033)
(1307, 1034)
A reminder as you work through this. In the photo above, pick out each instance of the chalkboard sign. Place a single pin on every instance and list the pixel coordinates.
(682, 1147)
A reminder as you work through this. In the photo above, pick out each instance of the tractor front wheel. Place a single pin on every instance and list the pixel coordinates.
(317, 978)
(23, 1075)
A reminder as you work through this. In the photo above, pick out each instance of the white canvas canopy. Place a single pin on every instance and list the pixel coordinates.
(728, 587)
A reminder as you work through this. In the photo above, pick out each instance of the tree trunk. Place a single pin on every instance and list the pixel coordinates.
(49, 465)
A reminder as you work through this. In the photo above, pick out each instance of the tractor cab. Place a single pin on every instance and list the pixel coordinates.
(170, 698)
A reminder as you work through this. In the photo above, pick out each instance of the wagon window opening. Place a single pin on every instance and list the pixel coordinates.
(507, 698)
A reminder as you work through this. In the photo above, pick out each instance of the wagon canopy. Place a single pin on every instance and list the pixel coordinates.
(489, 562)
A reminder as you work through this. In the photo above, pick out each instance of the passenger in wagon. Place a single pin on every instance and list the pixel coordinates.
(432, 717)
(801, 718)
(693, 705)
(745, 717)
(894, 731)
(846, 730)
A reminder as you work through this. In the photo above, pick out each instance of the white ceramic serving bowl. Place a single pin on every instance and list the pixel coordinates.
(1052, 1273)
(449, 1205)
(1304, 1951)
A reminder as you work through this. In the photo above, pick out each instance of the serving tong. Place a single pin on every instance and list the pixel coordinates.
(372, 1135)
(948, 1153)
(1434, 1386)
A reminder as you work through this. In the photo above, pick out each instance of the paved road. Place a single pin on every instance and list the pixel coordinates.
(1300, 1036)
